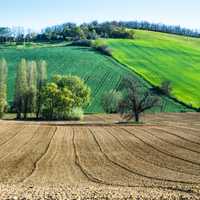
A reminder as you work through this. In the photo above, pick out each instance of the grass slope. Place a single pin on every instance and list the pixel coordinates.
(158, 56)
(101, 73)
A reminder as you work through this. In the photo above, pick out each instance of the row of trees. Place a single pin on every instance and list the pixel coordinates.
(160, 27)
(112, 29)
(67, 31)
(16, 34)
(90, 31)
(64, 97)
(30, 79)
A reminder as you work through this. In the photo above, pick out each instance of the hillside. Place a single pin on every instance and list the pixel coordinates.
(101, 73)
(158, 56)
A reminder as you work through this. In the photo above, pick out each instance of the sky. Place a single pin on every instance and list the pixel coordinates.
(37, 14)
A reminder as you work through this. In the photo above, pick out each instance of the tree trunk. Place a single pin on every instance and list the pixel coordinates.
(137, 117)
(18, 115)
(38, 107)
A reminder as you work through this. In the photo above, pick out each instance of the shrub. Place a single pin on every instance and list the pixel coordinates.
(123, 33)
(166, 87)
(84, 43)
(75, 114)
(110, 101)
(101, 46)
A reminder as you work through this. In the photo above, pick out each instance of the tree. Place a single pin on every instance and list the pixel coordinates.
(21, 89)
(81, 92)
(110, 101)
(41, 81)
(31, 96)
(56, 101)
(61, 96)
(3, 86)
(135, 100)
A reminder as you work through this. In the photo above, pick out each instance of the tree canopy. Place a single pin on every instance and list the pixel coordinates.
(62, 95)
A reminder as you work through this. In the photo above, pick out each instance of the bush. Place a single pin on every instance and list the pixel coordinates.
(110, 101)
(84, 43)
(122, 33)
(101, 46)
(166, 87)
(75, 114)
(98, 45)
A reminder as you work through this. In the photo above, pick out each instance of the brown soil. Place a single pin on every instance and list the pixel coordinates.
(160, 160)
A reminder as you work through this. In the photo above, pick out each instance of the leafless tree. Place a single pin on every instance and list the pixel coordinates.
(136, 99)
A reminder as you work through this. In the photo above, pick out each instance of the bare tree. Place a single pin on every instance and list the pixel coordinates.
(136, 100)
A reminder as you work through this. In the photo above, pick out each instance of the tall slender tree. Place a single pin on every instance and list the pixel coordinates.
(41, 81)
(3, 86)
(21, 89)
(32, 87)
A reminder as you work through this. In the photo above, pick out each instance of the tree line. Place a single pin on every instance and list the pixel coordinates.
(71, 31)
(63, 97)
(160, 27)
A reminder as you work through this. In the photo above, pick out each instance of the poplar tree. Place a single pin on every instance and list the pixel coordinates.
(3, 86)
(32, 87)
(21, 89)
(41, 81)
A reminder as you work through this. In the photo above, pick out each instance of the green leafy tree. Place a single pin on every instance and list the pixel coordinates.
(3, 86)
(79, 33)
(81, 92)
(56, 101)
(41, 81)
(32, 87)
(21, 89)
(62, 96)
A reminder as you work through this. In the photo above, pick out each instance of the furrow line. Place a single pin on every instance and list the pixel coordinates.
(13, 136)
(21, 146)
(78, 163)
(159, 150)
(134, 172)
(141, 157)
(35, 164)
(171, 143)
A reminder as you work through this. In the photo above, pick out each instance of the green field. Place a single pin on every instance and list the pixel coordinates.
(101, 73)
(158, 56)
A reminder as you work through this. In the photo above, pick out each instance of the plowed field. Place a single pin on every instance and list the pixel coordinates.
(156, 160)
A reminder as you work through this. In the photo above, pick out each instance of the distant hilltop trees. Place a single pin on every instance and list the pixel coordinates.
(159, 27)
(91, 31)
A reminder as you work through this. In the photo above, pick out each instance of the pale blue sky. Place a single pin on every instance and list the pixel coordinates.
(38, 14)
